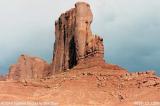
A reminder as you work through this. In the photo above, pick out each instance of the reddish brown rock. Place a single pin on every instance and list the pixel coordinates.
(91, 82)
(2, 78)
(89, 86)
(74, 41)
(28, 68)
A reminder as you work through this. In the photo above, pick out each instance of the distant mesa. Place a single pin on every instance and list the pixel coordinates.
(2, 78)
(28, 68)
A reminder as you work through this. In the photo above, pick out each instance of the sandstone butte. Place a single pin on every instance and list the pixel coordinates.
(78, 74)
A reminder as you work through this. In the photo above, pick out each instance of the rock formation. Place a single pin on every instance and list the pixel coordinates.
(74, 41)
(28, 68)
(90, 81)
(2, 78)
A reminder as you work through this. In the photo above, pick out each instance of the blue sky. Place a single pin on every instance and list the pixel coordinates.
(130, 28)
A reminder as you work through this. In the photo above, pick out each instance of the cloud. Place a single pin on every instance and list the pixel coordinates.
(132, 34)
(131, 30)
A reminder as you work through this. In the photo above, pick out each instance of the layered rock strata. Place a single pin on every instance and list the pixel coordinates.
(74, 41)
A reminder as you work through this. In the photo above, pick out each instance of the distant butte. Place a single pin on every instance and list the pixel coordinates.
(28, 68)
(78, 74)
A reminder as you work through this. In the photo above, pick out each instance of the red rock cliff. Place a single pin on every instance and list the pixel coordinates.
(74, 44)
(74, 41)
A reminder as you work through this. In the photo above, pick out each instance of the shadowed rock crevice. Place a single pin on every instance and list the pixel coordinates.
(74, 44)
(74, 41)
(72, 54)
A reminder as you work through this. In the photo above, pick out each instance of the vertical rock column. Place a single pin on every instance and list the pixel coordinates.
(74, 41)
(83, 32)
(64, 56)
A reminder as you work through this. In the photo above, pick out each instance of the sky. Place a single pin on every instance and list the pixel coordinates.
(130, 29)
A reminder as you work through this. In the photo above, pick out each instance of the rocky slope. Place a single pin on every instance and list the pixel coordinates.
(96, 85)
(78, 74)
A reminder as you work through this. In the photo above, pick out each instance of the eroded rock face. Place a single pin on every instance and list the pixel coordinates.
(28, 68)
(74, 41)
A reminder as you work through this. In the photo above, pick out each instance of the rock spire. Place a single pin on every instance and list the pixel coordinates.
(74, 41)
